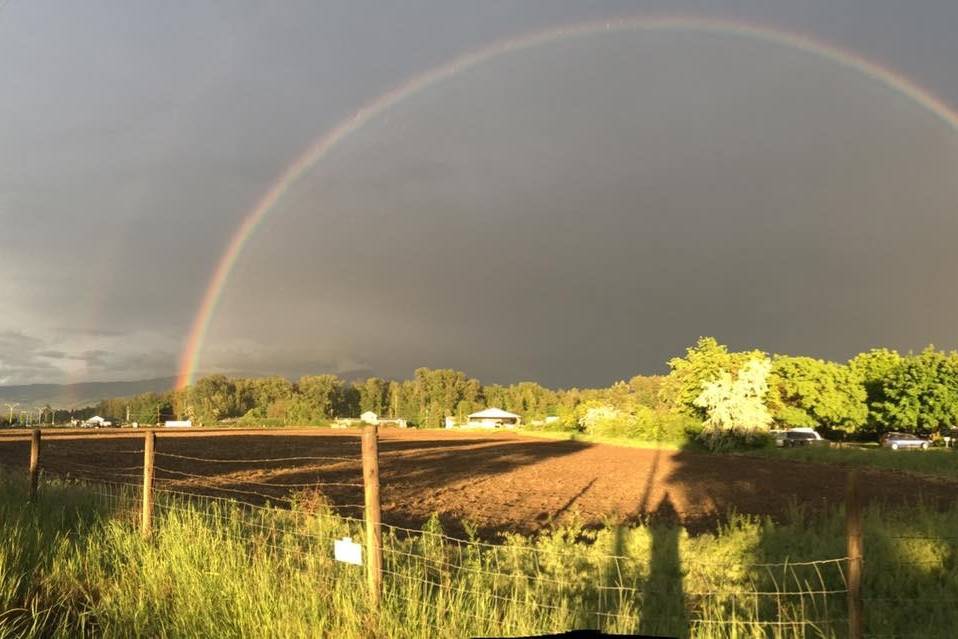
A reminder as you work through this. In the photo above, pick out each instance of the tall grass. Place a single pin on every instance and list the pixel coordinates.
(74, 565)
(935, 462)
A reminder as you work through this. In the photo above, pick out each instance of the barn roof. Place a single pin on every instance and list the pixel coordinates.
(493, 413)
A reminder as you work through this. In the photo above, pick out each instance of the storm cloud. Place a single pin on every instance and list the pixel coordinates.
(574, 214)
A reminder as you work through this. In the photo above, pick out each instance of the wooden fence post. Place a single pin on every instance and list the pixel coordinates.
(34, 463)
(853, 531)
(374, 535)
(149, 444)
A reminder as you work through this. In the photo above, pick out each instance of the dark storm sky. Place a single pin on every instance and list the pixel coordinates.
(574, 214)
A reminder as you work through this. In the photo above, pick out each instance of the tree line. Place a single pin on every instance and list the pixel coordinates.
(874, 391)
(710, 385)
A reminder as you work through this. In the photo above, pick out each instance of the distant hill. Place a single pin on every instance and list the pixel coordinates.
(88, 393)
(79, 395)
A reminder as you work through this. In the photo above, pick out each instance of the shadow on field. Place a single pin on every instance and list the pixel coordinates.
(664, 591)
(662, 607)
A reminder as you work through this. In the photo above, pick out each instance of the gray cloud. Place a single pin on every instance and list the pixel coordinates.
(573, 214)
(26, 358)
(23, 358)
(54, 354)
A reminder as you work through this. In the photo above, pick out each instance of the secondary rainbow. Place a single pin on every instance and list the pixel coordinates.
(322, 145)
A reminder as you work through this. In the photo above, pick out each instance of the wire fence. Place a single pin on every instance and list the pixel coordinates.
(269, 505)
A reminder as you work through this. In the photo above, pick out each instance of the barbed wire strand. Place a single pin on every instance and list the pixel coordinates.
(271, 460)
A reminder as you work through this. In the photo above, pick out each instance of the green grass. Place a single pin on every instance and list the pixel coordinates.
(598, 439)
(934, 462)
(74, 564)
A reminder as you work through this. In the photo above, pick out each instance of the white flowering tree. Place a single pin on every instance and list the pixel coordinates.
(737, 405)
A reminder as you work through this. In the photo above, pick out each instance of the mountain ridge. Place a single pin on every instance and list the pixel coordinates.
(83, 394)
(80, 394)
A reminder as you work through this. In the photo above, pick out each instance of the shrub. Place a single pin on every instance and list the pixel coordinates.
(569, 425)
(641, 422)
(724, 440)
(605, 420)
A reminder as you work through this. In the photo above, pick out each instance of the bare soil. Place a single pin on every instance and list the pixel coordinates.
(500, 481)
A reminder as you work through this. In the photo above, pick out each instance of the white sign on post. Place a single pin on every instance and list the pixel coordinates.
(348, 551)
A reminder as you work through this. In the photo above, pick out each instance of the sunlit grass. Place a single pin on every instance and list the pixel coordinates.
(935, 462)
(625, 442)
(74, 564)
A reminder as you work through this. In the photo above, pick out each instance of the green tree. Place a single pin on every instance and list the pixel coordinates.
(813, 392)
(373, 395)
(921, 393)
(440, 393)
(647, 390)
(150, 408)
(528, 399)
(394, 398)
(874, 367)
(212, 398)
(703, 363)
(404, 401)
(258, 396)
(495, 395)
(318, 397)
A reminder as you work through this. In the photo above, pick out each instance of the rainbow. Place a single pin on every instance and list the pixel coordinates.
(322, 145)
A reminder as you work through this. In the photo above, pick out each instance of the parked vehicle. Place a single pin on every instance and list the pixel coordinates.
(781, 436)
(898, 441)
(803, 437)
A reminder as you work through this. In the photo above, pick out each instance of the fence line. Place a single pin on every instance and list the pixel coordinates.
(515, 574)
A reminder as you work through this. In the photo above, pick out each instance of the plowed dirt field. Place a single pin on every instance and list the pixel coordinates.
(499, 481)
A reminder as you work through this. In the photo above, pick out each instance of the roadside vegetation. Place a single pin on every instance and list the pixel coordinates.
(74, 564)
(934, 462)
(628, 442)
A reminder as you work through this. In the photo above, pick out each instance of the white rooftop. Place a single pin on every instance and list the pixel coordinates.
(493, 413)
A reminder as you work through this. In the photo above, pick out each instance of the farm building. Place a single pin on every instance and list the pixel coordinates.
(493, 418)
(96, 422)
(369, 417)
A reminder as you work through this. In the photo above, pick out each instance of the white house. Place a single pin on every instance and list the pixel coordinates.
(96, 421)
(494, 418)
(369, 417)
